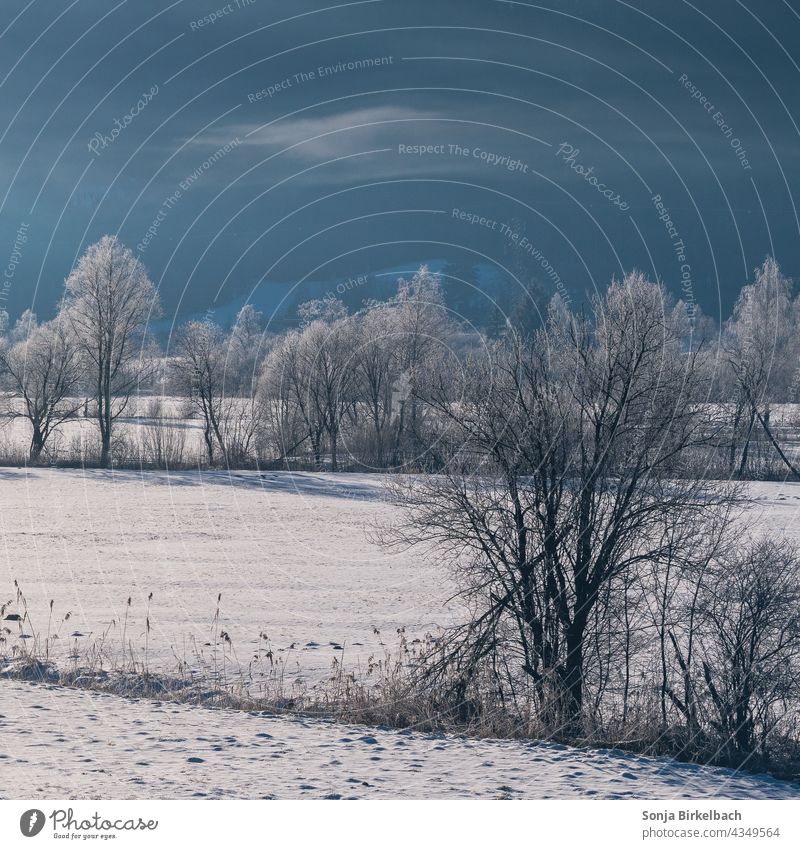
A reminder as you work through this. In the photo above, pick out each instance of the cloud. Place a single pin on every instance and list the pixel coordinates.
(317, 137)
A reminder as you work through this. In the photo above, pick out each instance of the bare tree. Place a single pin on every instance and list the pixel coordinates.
(288, 382)
(375, 370)
(326, 352)
(750, 635)
(45, 372)
(199, 361)
(575, 446)
(109, 301)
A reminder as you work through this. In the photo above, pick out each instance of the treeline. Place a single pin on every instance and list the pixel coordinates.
(344, 390)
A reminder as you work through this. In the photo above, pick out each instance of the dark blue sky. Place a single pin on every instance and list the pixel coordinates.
(268, 143)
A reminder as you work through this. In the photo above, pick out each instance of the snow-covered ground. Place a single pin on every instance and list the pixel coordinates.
(775, 506)
(292, 555)
(59, 743)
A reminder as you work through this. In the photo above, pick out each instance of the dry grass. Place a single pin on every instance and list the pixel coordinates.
(394, 690)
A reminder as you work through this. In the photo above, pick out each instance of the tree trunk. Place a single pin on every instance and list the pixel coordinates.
(316, 445)
(334, 440)
(104, 417)
(765, 424)
(748, 437)
(209, 443)
(573, 673)
(37, 444)
(732, 450)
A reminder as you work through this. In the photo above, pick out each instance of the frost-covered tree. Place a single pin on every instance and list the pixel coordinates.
(109, 301)
(761, 347)
(23, 326)
(199, 362)
(327, 310)
(245, 348)
(45, 372)
(375, 372)
(423, 325)
(311, 371)
(286, 385)
(207, 373)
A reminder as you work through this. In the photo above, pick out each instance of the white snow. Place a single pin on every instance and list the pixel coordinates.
(59, 743)
(291, 555)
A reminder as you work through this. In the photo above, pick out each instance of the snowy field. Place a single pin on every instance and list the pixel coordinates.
(293, 556)
(59, 743)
